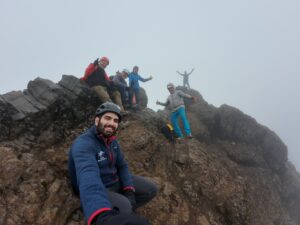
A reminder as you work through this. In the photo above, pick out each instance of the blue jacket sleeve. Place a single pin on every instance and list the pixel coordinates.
(123, 170)
(93, 194)
(141, 78)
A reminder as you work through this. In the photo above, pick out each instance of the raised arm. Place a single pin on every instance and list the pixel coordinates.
(191, 71)
(145, 79)
(179, 73)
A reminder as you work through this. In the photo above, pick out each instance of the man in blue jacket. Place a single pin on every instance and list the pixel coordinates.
(100, 175)
(134, 86)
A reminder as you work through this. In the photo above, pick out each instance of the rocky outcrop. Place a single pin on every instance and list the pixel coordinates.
(234, 172)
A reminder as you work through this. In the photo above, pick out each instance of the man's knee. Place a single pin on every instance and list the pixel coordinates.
(120, 202)
(102, 93)
(152, 191)
(145, 188)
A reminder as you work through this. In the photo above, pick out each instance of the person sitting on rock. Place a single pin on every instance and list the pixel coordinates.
(176, 105)
(121, 84)
(96, 77)
(134, 85)
(100, 175)
(186, 78)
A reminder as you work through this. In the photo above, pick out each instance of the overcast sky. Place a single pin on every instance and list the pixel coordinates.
(245, 53)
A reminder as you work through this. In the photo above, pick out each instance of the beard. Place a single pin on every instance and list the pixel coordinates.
(106, 133)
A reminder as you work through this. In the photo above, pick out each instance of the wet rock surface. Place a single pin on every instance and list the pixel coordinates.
(235, 171)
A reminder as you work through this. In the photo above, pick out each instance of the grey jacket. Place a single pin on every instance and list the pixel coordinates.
(120, 81)
(175, 100)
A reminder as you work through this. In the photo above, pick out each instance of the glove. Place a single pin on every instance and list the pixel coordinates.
(96, 62)
(113, 217)
(131, 197)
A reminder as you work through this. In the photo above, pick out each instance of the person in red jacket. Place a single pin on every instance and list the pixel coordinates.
(96, 77)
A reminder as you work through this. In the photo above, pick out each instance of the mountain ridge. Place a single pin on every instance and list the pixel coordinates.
(235, 171)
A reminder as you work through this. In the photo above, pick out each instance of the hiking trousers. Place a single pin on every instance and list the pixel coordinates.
(145, 190)
(186, 83)
(134, 92)
(104, 96)
(124, 95)
(174, 119)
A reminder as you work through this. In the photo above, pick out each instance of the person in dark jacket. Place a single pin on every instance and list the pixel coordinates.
(134, 85)
(121, 84)
(96, 77)
(100, 175)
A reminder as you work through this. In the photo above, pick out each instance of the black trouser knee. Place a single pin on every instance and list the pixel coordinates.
(145, 190)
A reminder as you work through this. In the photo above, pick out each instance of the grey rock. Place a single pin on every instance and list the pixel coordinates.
(235, 171)
(44, 91)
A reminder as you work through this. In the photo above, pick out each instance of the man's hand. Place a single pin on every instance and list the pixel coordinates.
(96, 62)
(112, 217)
(131, 197)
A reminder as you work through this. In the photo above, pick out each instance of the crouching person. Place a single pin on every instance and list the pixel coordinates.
(100, 175)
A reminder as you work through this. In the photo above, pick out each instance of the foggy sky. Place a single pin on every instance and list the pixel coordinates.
(245, 53)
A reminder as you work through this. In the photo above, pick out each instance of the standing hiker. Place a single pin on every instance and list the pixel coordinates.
(134, 85)
(176, 105)
(186, 78)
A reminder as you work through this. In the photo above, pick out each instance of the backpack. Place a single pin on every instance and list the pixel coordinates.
(169, 132)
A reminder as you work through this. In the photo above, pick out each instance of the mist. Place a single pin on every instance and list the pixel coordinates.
(245, 54)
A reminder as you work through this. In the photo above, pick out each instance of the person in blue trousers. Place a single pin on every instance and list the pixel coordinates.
(176, 104)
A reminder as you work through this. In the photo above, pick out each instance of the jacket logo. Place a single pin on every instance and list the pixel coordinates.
(101, 156)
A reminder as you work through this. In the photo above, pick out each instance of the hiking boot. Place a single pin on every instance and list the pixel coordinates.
(179, 139)
(189, 136)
